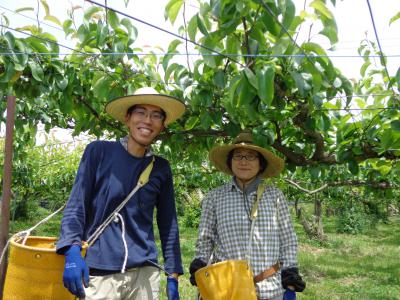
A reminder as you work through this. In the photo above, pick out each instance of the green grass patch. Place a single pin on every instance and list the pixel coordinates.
(345, 266)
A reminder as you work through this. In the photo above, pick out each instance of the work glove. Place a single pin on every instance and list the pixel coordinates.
(75, 271)
(194, 266)
(289, 295)
(290, 276)
(172, 288)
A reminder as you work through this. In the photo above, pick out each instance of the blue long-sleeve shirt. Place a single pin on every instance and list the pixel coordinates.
(106, 175)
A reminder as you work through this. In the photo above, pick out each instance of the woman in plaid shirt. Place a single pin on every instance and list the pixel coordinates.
(225, 221)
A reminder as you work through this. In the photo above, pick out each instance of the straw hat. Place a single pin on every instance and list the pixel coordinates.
(219, 155)
(172, 106)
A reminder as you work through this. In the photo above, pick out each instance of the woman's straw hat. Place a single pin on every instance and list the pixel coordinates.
(219, 155)
(172, 106)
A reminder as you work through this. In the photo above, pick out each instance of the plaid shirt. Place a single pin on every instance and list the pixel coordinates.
(225, 227)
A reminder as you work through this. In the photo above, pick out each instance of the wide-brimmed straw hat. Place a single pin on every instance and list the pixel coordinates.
(172, 106)
(219, 155)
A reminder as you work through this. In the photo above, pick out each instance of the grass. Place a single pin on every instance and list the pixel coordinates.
(364, 266)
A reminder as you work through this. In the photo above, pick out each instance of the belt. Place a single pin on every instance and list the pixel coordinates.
(267, 273)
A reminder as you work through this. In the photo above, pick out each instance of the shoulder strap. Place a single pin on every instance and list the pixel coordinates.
(143, 179)
(253, 216)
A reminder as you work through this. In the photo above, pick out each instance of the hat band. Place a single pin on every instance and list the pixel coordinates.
(245, 143)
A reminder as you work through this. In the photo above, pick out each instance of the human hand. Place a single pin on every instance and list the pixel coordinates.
(194, 266)
(289, 294)
(75, 271)
(292, 279)
(172, 288)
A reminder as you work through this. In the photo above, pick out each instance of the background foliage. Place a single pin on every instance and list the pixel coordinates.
(253, 73)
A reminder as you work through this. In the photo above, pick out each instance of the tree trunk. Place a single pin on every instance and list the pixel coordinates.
(318, 217)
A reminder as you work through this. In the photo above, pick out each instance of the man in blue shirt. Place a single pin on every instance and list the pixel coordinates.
(120, 262)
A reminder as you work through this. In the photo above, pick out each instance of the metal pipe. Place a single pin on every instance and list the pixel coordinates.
(7, 172)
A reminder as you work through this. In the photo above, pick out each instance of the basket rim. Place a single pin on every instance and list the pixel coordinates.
(16, 244)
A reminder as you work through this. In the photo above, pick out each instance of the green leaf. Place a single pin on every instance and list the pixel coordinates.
(192, 28)
(290, 11)
(265, 84)
(62, 83)
(206, 121)
(112, 19)
(172, 9)
(315, 172)
(387, 139)
(171, 52)
(24, 9)
(201, 25)
(394, 18)
(251, 77)
(169, 71)
(37, 45)
(300, 82)
(129, 27)
(395, 125)
(353, 167)
(8, 74)
(364, 68)
(37, 71)
(320, 6)
(191, 122)
(245, 92)
(398, 77)
(102, 87)
(10, 40)
(46, 6)
(90, 12)
(232, 45)
(53, 19)
(219, 79)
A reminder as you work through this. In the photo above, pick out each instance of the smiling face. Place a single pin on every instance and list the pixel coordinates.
(245, 165)
(144, 125)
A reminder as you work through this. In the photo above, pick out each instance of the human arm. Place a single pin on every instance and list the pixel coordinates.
(172, 287)
(206, 237)
(76, 273)
(168, 225)
(75, 212)
(287, 236)
(290, 276)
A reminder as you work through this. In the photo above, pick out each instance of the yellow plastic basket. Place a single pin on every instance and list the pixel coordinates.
(35, 270)
(226, 280)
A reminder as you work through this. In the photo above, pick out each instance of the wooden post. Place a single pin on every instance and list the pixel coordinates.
(7, 172)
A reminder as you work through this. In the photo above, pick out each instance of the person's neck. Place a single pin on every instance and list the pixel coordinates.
(135, 149)
(244, 183)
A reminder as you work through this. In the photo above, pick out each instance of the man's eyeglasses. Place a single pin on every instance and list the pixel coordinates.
(249, 157)
(142, 114)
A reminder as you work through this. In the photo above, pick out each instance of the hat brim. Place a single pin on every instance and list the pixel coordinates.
(172, 107)
(219, 155)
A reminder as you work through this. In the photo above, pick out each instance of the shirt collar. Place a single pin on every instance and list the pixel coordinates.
(252, 187)
(124, 143)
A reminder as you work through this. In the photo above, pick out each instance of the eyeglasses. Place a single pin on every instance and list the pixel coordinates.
(248, 157)
(142, 114)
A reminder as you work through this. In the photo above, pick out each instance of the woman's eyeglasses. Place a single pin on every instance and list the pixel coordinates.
(249, 157)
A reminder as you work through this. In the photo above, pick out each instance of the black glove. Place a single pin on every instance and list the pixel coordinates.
(194, 266)
(290, 276)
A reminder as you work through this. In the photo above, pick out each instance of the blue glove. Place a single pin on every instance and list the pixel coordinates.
(289, 295)
(75, 271)
(172, 288)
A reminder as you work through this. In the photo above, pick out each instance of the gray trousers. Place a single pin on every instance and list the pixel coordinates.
(135, 284)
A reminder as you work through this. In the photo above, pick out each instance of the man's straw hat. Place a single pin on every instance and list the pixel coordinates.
(219, 155)
(172, 106)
